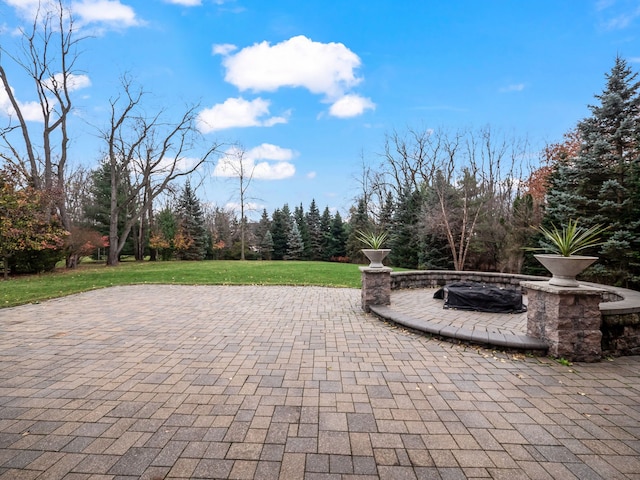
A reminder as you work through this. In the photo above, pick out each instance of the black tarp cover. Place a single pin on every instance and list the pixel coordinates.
(480, 297)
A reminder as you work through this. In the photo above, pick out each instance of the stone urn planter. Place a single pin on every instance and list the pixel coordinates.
(373, 250)
(375, 256)
(565, 269)
(564, 243)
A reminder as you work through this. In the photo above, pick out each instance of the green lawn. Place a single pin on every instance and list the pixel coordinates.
(35, 288)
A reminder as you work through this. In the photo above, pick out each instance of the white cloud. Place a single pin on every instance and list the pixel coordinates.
(617, 15)
(111, 12)
(237, 112)
(31, 111)
(182, 164)
(29, 8)
(311, 175)
(514, 87)
(74, 82)
(351, 106)
(264, 162)
(105, 11)
(185, 3)
(321, 68)
(223, 49)
(248, 207)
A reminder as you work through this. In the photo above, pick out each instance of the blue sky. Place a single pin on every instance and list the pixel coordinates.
(309, 88)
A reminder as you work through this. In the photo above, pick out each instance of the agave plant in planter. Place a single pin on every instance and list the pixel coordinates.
(374, 251)
(564, 243)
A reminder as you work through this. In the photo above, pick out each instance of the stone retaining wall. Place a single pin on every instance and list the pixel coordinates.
(439, 278)
(620, 308)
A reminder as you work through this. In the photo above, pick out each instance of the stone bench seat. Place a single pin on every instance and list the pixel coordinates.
(619, 308)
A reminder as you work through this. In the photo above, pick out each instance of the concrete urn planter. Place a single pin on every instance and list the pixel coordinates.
(376, 256)
(565, 269)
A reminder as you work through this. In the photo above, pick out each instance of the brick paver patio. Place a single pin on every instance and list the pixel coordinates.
(172, 382)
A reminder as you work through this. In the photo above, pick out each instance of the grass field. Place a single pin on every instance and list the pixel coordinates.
(36, 288)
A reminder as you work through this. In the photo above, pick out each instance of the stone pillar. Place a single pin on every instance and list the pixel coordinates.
(567, 318)
(376, 286)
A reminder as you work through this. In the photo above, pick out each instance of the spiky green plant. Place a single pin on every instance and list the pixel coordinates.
(372, 239)
(571, 238)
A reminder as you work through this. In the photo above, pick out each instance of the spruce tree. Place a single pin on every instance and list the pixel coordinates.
(315, 234)
(385, 219)
(358, 222)
(434, 251)
(303, 229)
(325, 230)
(98, 210)
(295, 245)
(600, 185)
(264, 225)
(191, 228)
(280, 225)
(337, 243)
(405, 233)
(266, 246)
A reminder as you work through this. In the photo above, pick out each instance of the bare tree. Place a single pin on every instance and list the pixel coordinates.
(471, 175)
(147, 153)
(77, 193)
(49, 51)
(235, 164)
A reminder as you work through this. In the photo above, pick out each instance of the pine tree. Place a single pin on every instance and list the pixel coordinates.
(303, 229)
(295, 245)
(280, 226)
(385, 219)
(434, 252)
(358, 222)
(264, 225)
(266, 246)
(98, 210)
(191, 236)
(405, 239)
(601, 184)
(325, 231)
(315, 234)
(337, 242)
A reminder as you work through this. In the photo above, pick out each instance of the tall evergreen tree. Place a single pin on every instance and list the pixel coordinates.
(280, 225)
(315, 234)
(191, 229)
(601, 184)
(98, 210)
(337, 242)
(264, 225)
(325, 230)
(358, 222)
(295, 245)
(405, 233)
(385, 219)
(303, 229)
(434, 252)
(266, 246)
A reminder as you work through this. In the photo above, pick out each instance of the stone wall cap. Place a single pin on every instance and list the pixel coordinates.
(544, 286)
(375, 270)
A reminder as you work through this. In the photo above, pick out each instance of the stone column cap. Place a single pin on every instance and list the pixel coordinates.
(375, 270)
(544, 286)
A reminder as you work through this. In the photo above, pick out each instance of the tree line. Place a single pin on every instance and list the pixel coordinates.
(465, 199)
(448, 198)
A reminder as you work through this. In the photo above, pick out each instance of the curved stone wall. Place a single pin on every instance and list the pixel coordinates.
(620, 308)
(439, 278)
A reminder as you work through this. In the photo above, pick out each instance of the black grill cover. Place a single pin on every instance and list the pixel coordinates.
(480, 297)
